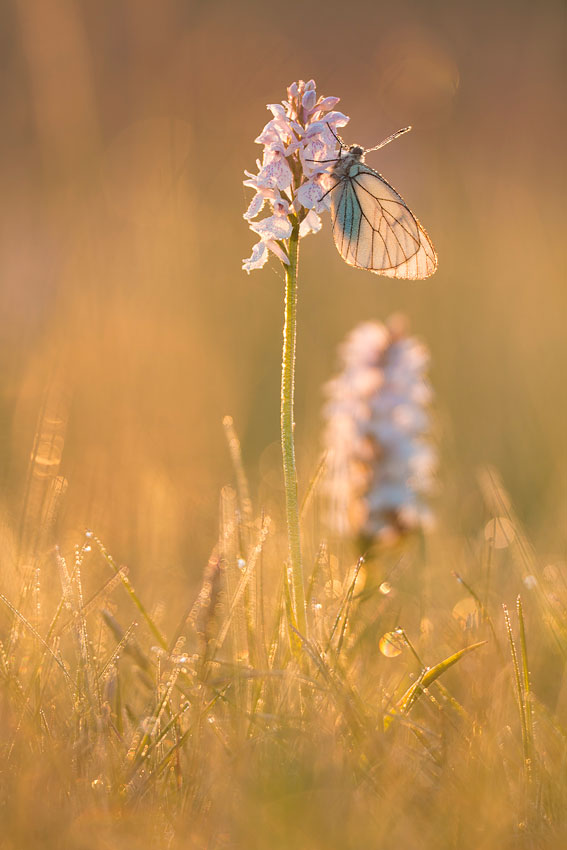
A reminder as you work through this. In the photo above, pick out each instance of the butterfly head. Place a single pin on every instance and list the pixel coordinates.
(352, 155)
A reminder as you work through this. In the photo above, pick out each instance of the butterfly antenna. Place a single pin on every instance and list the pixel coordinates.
(338, 138)
(389, 139)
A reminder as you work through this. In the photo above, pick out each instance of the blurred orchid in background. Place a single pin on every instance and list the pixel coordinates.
(381, 463)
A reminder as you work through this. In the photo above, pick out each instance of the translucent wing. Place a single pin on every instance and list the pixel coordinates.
(374, 228)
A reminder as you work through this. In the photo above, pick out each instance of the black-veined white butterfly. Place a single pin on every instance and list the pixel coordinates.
(373, 227)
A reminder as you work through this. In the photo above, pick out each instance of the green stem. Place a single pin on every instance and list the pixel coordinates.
(288, 448)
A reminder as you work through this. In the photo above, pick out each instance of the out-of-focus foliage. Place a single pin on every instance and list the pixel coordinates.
(125, 131)
(415, 712)
(127, 332)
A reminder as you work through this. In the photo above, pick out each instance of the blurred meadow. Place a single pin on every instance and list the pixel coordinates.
(128, 331)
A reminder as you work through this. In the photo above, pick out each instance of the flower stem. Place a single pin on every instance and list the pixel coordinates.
(287, 423)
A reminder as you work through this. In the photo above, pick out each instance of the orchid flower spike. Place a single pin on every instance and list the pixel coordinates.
(293, 177)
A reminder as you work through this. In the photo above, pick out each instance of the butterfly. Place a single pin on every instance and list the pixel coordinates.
(373, 227)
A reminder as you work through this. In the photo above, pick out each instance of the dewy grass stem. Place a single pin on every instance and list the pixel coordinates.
(287, 423)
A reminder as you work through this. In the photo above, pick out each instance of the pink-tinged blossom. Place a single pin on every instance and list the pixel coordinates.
(256, 205)
(275, 171)
(381, 460)
(310, 224)
(309, 100)
(313, 194)
(274, 227)
(258, 258)
(328, 103)
(292, 176)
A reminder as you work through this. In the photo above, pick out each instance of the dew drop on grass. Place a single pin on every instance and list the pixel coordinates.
(499, 532)
(465, 613)
(385, 588)
(391, 644)
(360, 578)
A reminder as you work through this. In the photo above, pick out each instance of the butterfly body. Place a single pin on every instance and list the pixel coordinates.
(373, 227)
(348, 161)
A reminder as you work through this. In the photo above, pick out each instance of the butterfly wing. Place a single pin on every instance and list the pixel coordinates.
(374, 228)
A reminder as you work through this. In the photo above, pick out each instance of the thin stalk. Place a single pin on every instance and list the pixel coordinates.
(520, 695)
(527, 692)
(131, 592)
(287, 423)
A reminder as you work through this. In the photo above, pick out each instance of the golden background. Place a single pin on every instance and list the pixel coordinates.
(126, 318)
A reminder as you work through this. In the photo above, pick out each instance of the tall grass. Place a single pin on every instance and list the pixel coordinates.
(231, 729)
